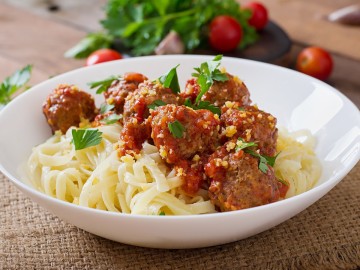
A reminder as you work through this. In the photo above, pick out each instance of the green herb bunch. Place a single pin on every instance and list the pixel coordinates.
(141, 25)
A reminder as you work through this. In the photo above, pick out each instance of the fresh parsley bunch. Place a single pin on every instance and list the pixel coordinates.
(141, 25)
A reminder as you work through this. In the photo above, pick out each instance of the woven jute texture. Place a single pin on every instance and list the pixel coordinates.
(324, 236)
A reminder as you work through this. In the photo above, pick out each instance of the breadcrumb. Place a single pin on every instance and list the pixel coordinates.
(230, 131)
(230, 146)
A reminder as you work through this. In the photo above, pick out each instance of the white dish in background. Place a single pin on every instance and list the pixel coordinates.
(298, 101)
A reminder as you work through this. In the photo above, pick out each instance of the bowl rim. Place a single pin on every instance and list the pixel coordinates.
(330, 182)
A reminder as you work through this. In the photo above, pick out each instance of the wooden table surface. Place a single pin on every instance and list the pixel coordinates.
(31, 34)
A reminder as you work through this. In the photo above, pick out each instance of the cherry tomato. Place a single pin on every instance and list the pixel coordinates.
(259, 17)
(225, 33)
(102, 55)
(316, 62)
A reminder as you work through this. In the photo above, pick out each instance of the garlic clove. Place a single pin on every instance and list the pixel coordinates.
(171, 44)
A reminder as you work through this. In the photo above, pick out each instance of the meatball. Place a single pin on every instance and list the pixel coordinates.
(119, 89)
(231, 90)
(200, 132)
(236, 181)
(137, 102)
(136, 127)
(192, 172)
(133, 135)
(67, 106)
(251, 124)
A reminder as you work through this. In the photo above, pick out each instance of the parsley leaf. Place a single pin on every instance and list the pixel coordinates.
(241, 144)
(162, 213)
(203, 105)
(170, 80)
(176, 129)
(156, 104)
(111, 119)
(105, 107)
(264, 161)
(208, 106)
(188, 103)
(204, 87)
(217, 58)
(84, 138)
(13, 83)
(103, 85)
(206, 74)
(263, 165)
(271, 160)
(89, 44)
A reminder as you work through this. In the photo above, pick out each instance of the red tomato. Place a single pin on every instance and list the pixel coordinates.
(102, 55)
(225, 33)
(259, 17)
(316, 62)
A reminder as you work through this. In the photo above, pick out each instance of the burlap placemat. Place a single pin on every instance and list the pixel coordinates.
(325, 236)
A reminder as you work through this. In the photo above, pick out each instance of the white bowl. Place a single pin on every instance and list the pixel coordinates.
(298, 101)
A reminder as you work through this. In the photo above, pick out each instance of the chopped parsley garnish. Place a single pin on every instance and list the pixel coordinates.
(84, 138)
(170, 80)
(264, 161)
(156, 104)
(188, 103)
(241, 108)
(203, 105)
(13, 83)
(105, 107)
(207, 73)
(111, 119)
(271, 160)
(242, 144)
(103, 85)
(176, 129)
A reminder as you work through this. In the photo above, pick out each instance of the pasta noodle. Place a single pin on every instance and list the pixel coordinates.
(56, 169)
(297, 162)
(96, 177)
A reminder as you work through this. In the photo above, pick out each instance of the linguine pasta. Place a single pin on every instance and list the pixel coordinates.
(96, 177)
(297, 162)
